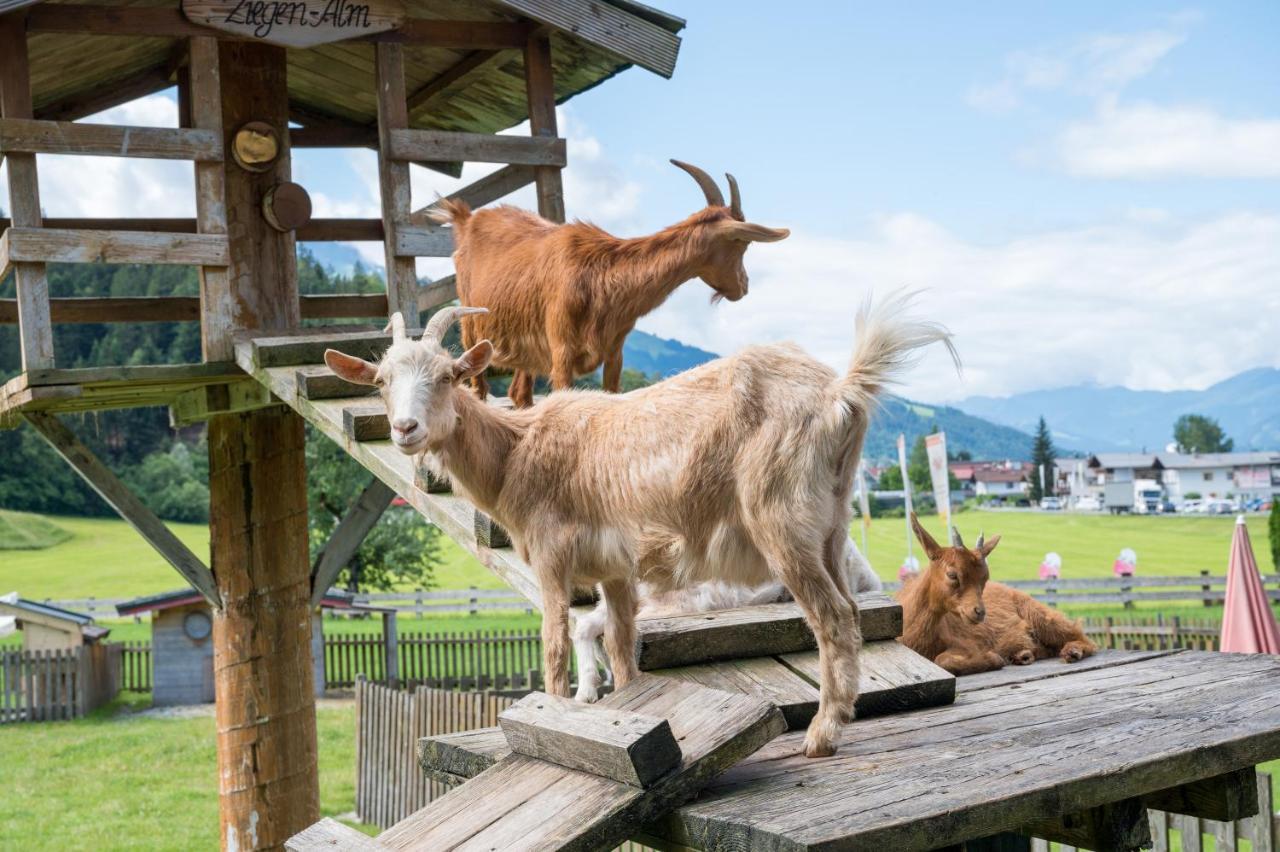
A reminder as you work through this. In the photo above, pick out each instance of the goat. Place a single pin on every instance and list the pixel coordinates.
(563, 298)
(589, 627)
(740, 470)
(955, 617)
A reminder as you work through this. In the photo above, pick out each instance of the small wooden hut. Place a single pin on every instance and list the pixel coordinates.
(49, 628)
(425, 82)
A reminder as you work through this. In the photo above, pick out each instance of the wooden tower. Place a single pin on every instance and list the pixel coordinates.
(425, 82)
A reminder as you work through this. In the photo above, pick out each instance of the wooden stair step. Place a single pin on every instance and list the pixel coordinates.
(521, 802)
(750, 631)
(299, 347)
(319, 382)
(894, 678)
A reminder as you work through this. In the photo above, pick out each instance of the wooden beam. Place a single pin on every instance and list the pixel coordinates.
(438, 292)
(540, 90)
(1224, 798)
(94, 309)
(57, 245)
(411, 241)
(459, 35)
(107, 140)
(198, 405)
(607, 27)
(1115, 827)
(319, 382)
(296, 350)
(328, 835)
(334, 136)
(348, 535)
(628, 747)
(35, 329)
(315, 231)
(393, 181)
(126, 504)
(487, 189)
(366, 423)
(108, 94)
(454, 80)
(418, 145)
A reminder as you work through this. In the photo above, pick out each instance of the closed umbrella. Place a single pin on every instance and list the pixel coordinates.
(1248, 624)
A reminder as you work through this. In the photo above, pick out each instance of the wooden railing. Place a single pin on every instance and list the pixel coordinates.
(66, 683)
(480, 660)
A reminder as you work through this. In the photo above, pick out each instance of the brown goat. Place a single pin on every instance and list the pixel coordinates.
(953, 616)
(563, 298)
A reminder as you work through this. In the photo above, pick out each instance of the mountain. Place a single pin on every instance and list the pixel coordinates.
(1093, 418)
(983, 439)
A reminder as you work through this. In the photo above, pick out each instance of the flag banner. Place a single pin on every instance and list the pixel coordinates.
(936, 445)
(906, 489)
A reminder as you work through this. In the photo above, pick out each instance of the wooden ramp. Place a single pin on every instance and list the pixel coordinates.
(525, 803)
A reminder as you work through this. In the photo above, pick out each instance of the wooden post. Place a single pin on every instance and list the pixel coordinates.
(1206, 588)
(391, 648)
(393, 181)
(263, 674)
(540, 86)
(35, 329)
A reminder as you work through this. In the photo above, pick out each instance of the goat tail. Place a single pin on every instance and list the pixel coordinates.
(887, 342)
(450, 211)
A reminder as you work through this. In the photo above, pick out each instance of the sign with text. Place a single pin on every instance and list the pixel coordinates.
(297, 23)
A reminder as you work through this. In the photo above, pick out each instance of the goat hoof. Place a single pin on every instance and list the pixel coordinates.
(1072, 655)
(819, 749)
(1024, 658)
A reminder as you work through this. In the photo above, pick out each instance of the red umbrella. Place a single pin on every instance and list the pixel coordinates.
(1248, 624)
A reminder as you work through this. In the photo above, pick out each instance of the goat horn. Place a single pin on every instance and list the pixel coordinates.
(445, 317)
(956, 541)
(396, 327)
(714, 197)
(981, 541)
(735, 199)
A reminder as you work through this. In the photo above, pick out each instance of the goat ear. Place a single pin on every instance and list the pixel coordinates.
(750, 232)
(930, 546)
(355, 370)
(989, 545)
(473, 361)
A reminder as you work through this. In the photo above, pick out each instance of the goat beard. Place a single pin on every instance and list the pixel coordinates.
(716, 298)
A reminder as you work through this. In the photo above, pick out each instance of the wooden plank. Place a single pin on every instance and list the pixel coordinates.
(366, 423)
(347, 537)
(329, 834)
(489, 533)
(438, 292)
(172, 375)
(126, 504)
(522, 802)
(1225, 798)
(108, 93)
(607, 27)
(754, 631)
(292, 26)
(1105, 658)
(35, 330)
(49, 245)
(218, 306)
(393, 181)
(411, 241)
(1113, 827)
(764, 677)
(320, 383)
(631, 748)
(998, 759)
(487, 189)
(415, 145)
(199, 404)
(295, 350)
(94, 309)
(106, 140)
(454, 80)
(540, 94)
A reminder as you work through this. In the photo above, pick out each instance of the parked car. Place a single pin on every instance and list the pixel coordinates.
(1191, 507)
(1219, 507)
(1050, 504)
(1088, 503)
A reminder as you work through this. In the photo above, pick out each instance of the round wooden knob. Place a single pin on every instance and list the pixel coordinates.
(287, 207)
(255, 146)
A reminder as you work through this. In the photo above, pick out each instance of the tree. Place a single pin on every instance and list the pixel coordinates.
(1042, 454)
(890, 479)
(1273, 530)
(401, 549)
(1195, 433)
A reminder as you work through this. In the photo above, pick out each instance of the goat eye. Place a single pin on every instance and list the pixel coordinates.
(953, 576)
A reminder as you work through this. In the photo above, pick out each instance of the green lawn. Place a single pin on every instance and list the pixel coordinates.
(24, 531)
(126, 781)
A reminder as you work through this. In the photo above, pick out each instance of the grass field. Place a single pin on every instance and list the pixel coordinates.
(105, 558)
(23, 531)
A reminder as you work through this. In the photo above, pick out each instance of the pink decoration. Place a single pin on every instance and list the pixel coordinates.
(1049, 572)
(907, 572)
(1248, 624)
(1122, 568)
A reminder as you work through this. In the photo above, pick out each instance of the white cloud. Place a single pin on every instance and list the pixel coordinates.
(1093, 65)
(1155, 141)
(1148, 305)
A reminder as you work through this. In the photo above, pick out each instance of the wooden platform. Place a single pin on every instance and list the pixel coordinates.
(101, 388)
(1017, 745)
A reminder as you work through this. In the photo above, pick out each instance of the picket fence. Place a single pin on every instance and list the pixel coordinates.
(475, 660)
(66, 683)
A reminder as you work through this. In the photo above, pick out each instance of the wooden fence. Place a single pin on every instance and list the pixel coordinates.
(475, 660)
(135, 666)
(40, 686)
(1154, 634)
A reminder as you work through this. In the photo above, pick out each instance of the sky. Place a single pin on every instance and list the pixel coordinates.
(1085, 192)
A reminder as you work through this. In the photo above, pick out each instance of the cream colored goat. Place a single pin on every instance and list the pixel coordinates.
(738, 470)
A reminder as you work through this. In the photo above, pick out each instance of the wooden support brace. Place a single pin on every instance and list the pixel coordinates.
(35, 329)
(1116, 827)
(629, 747)
(129, 507)
(438, 292)
(1225, 798)
(454, 80)
(489, 533)
(540, 89)
(348, 535)
(487, 189)
(199, 404)
(393, 181)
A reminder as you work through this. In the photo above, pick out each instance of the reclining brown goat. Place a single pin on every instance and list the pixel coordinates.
(563, 298)
(953, 616)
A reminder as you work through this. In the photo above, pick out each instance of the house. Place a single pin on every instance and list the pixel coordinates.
(182, 643)
(48, 628)
(1221, 476)
(1000, 482)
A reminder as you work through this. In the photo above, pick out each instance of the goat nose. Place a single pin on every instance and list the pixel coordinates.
(404, 425)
